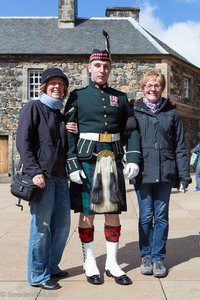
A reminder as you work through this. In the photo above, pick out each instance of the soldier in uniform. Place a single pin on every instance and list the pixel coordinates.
(95, 162)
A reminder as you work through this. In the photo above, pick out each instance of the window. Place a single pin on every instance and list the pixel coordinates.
(186, 87)
(34, 83)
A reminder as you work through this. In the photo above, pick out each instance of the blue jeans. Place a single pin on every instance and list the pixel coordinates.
(198, 175)
(49, 231)
(153, 201)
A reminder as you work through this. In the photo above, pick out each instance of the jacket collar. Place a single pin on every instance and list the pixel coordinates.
(97, 86)
(141, 106)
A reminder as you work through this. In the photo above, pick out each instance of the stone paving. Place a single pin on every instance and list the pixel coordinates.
(183, 255)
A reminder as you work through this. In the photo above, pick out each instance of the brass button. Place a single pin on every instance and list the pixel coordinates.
(106, 124)
(105, 116)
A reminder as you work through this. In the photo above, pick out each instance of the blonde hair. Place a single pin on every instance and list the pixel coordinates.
(153, 74)
(43, 88)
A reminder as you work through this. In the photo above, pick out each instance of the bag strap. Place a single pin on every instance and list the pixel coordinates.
(19, 167)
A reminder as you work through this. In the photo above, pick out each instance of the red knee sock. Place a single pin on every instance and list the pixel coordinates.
(86, 235)
(112, 233)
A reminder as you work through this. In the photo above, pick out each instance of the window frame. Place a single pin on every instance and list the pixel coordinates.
(186, 87)
(34, 83)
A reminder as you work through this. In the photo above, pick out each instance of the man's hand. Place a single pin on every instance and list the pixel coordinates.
(76, 176)
(131, 170)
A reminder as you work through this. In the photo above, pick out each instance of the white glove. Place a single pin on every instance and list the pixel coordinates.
(76, 176)
(131, 170)
(181, 188)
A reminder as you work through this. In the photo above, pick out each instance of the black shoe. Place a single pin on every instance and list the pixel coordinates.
(95, 279)
(61, 274)
(48, 285)
(123, 279)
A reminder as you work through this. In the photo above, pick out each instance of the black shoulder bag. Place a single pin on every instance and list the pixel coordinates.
(23, 187)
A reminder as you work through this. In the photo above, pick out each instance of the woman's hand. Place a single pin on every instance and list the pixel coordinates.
(39, 180)
(72, 127)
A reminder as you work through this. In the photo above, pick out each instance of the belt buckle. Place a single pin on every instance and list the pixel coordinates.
(105, 137)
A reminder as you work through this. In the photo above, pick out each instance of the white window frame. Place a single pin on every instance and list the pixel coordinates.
(186, 87)
(34, 82)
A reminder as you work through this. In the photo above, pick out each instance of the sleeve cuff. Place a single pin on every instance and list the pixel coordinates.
(73, 164)
(133, 156)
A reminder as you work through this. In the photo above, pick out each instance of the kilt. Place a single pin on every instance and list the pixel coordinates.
(80, 193)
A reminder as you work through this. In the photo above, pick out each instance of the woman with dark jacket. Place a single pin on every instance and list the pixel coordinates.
(164, 160)
(41, 142)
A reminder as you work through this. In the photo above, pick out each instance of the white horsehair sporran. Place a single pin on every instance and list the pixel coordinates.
(105, 194)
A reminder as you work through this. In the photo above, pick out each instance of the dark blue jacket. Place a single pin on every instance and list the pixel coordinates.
(163, 160)
(39, 130)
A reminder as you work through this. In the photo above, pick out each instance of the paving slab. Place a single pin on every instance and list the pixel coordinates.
(183, 254)
(183, 290)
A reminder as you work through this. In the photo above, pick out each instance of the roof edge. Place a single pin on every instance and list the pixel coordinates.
(148, 36)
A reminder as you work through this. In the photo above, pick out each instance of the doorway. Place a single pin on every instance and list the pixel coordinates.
(3, 154)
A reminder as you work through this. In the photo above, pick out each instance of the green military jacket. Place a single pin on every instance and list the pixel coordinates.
(99, 109)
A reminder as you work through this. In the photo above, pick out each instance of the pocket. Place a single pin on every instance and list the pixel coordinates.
(145, 157)
(167, 155)
(85, 148)
(145, 166)
(44, 153)
(168, 164)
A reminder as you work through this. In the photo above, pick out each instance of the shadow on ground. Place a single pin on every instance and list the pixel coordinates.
(179, 250)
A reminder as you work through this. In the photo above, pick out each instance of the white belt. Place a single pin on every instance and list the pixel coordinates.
(101, 137)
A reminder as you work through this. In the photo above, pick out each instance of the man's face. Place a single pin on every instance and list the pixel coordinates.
(100, 71)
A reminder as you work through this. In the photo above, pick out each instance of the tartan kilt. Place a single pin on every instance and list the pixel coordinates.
(80, 193)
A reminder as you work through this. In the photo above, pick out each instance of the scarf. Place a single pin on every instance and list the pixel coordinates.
(51, 102)
(154, 107)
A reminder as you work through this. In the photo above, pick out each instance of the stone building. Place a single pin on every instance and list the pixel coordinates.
(30, 44)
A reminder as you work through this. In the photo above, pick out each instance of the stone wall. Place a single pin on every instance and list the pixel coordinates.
(126, 75)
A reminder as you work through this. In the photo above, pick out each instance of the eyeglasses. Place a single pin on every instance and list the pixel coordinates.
(150, 86)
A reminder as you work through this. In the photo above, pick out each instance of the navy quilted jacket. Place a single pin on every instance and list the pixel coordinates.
(163, 159)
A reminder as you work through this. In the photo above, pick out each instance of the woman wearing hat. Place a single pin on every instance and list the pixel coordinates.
(41, 142)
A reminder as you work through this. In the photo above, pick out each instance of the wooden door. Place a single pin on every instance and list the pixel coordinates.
(3, 154)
